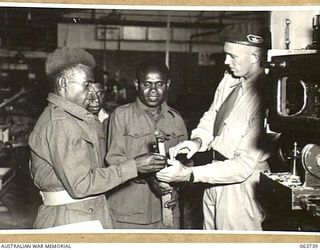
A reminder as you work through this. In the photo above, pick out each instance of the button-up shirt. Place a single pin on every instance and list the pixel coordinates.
(102, 115)
(68, 150)
(241, 135)
(131, 133)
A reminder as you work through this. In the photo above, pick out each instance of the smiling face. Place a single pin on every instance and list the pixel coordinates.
(152, 86)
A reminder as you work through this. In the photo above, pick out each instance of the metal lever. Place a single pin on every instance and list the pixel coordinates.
(294, 158)
(287, 33)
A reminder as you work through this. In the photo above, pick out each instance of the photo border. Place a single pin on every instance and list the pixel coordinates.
(150, 236)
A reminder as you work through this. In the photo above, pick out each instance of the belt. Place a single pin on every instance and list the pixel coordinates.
(218, 156)
(59, 198)
(139, 180)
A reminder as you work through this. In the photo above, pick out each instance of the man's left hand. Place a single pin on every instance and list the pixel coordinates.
(177, 172)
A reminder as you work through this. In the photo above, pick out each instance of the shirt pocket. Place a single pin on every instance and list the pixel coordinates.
(88, 149)
(122, 204)
(234, 130)
(174, 135)
(86, 141)
(138, 141)
(137, 132)
(86, 210)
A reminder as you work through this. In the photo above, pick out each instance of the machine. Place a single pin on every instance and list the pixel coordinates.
(292, 192)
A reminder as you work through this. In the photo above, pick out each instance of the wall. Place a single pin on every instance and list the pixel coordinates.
(85, 36)
(300, 28)
(192, 85)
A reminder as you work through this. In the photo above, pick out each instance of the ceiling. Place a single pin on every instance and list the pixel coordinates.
(36, 28)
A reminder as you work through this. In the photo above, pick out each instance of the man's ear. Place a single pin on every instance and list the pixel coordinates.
(136, 84)
(168, 83)
(255, 57)
(62, 83)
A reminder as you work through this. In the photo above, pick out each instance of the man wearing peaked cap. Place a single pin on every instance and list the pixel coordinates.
(68, 148)
(233, 128)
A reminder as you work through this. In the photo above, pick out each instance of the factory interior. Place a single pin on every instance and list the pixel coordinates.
(189, 42)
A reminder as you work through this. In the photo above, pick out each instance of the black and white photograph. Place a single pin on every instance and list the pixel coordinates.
(182, 119)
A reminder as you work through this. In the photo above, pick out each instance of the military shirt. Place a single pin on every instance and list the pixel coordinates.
(67, 153)
(131, 133)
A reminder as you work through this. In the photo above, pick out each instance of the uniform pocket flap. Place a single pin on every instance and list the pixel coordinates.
(138, 132)
(173, 133)
(87, 206)
(87, 139)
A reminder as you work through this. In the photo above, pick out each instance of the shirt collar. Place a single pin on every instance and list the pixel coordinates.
(68, 106)
(252, 81)
(141, 108)
(246, 83)
(102, 115)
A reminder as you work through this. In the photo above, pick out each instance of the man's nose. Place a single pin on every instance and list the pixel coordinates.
(92, 96)
(227, 60)
(153, 86)
(95, 101)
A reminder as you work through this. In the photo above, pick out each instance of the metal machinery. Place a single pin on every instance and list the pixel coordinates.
(293, 196)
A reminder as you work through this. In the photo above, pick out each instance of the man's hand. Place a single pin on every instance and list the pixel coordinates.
(158, 188)
(149, 162)
(189, 147)
(175, 173)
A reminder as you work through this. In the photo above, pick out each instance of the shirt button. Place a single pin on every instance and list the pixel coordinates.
(90, 210)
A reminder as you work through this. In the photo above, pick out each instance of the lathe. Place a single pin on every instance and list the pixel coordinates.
(291, 192)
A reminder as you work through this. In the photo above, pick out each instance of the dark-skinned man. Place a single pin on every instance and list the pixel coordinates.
(66, 153)
(96, 101)
(132, 131)
(97, 95)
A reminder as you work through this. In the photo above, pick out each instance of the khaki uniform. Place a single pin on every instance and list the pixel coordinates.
(132, 133)
(67, 153)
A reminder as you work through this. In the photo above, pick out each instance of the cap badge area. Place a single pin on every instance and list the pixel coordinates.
(255, 39)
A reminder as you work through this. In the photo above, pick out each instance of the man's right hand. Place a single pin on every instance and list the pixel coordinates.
(189, 147)
(150, 162)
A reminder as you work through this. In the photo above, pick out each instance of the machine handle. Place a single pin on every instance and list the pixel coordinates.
(281, 94)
